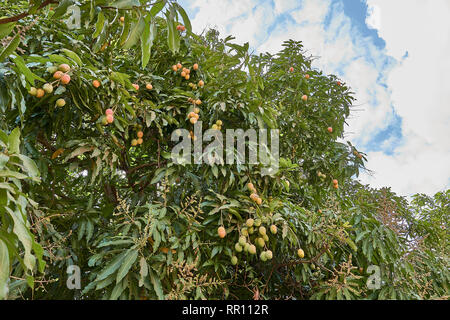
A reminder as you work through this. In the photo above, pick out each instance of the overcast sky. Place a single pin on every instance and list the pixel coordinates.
(395, 54)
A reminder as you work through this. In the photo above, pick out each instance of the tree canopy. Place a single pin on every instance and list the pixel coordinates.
(87, 177)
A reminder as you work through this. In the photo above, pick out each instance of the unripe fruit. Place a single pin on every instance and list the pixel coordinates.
(197, 110)
(244, 232)
(257, 222)
(104, 121)
(201, 83)
(215, 127)
(195, 66)
(134, 142)
(269, 255)
(40, 93)
(242, 241)
(219, 122)
(140, 134)
(262, 230)
(140, 141)
(250, 222)
(251, 230)
(262, 256)
(265, 237)
(252, 249)
(300, 253)
(273, 229)
(330, 129)
(247, 247)
(52, 69)
(64, 67)
(65, 79)
(109, 111)
(221, 232)
(33, 91)
(109, 118)
(304, 97)
(135, 86)
(259, 201)
(47, 88)
(149, 86)
(234, 260)
(57, 75)
(260, 242)
(238, 247)
(60, 102)
(96, 83)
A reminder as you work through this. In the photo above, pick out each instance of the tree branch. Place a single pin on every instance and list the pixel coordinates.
(25, 14)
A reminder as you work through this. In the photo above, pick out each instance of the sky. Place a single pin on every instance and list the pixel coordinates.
(395, 55)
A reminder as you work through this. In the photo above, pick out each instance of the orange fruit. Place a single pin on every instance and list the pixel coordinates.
(179, 66)
(201, 83)
(221, 232)
(149, 86)
(122, 19)
(57, 75)
(140, 141)
(140, 134)
(174, 68)
(195, 66)
(330, 129)
(40, 93)
(183, 74)
(96, 83)
(65, 79)
(304, 97)
(135, 86)
(109, 118)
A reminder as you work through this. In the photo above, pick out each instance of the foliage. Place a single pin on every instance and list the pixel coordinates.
(140, 226)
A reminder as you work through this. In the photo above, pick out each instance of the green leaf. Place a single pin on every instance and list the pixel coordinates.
(14, 141)
(147, 38)
(61, 9)
(157, 7)
(12, 46)
(4, 270)
(112, 266)
(30, 166)
(6, 29)
(157, 285)
(135, 34)
(126, 265)
(99, 25)
(30, 76)
(173, 38)
(125, 4)
(24, 235)
(72, 55)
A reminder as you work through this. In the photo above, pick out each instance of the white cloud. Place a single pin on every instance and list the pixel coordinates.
(415, 88)
(420, 93)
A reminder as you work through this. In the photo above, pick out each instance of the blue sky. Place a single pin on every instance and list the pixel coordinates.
(394, 55)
